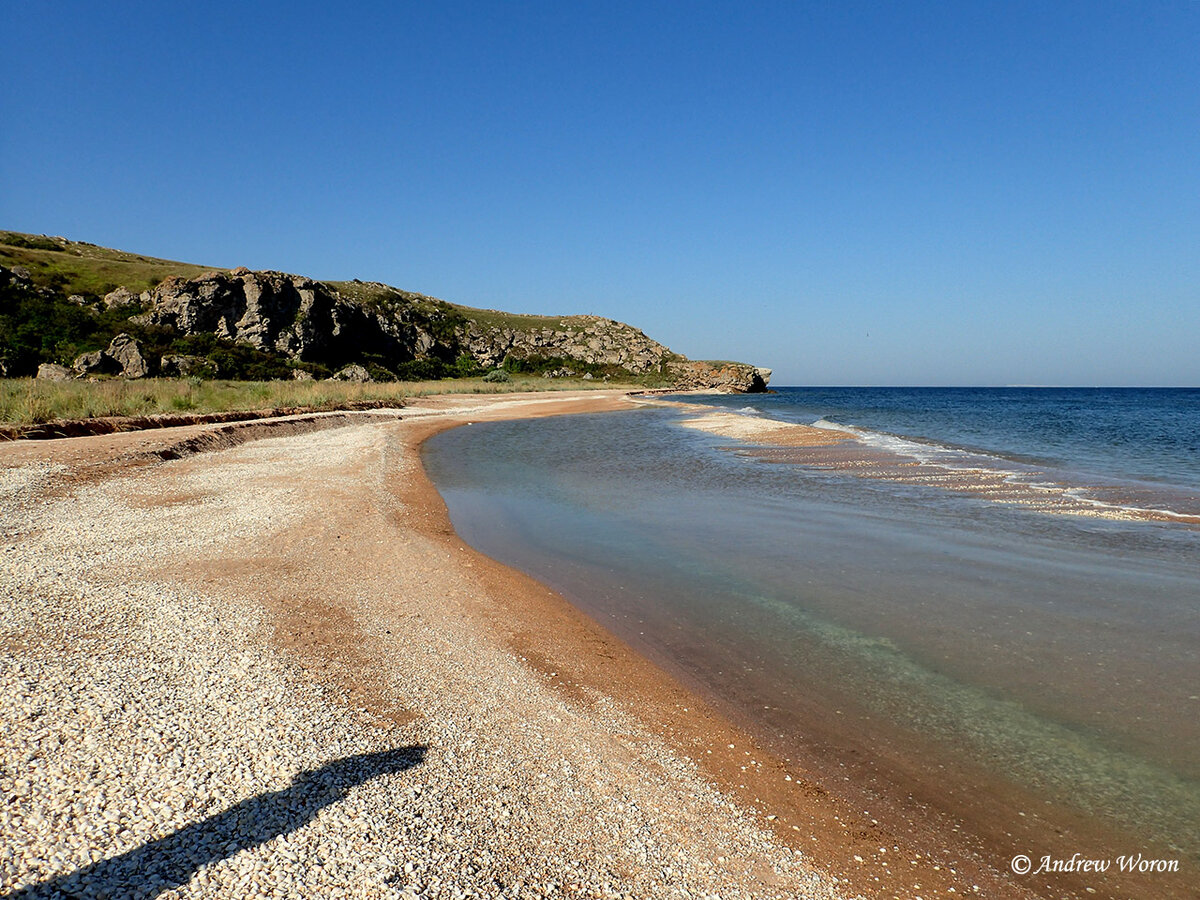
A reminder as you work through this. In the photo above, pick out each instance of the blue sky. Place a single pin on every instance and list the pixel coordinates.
(850, 193)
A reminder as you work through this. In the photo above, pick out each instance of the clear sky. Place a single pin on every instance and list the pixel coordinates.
(850, 193)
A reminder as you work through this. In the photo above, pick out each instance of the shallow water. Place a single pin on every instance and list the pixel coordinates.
(931, 641)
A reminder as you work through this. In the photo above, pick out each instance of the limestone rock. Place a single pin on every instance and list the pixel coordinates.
(120, 297)
(302, 375)
(353, 372)
(123, 357)
(53, 372)
(95, 363)
(126, 353)
(728, 377)
(291, 315)
(185, 365)
(589, 339)
(310, 321)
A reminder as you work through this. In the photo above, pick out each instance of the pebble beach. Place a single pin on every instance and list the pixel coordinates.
(270, 670)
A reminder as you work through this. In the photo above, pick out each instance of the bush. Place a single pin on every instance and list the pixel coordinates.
(466, 366)
(421, 370)
(30, 242)
(497, 375)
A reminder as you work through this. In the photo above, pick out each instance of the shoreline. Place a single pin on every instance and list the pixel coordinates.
(846, 841)
(341, 618)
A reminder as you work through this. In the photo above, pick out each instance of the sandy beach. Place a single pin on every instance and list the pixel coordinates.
(257, 661)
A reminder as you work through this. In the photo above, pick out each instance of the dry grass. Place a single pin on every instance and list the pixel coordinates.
(28, 401)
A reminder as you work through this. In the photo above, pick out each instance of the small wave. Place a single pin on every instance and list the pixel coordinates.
(749, 411)
(955, 459)
(1079, 495)
(834, 426)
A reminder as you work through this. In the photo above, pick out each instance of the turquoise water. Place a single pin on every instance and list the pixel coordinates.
(917, 635)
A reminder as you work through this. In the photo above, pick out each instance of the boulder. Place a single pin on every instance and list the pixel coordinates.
(302, 375)
(97, 362)
(126, 353)
(184, 365)
(122, 357)
(120, 297)
(353, 372)
(53, 372)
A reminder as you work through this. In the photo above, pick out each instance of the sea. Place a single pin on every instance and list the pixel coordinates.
(981, 611)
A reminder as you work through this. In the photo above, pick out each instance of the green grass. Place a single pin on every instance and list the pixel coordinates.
(378, 296)
(74, 267)
(494, 318)
(381, 297)
(27, 401)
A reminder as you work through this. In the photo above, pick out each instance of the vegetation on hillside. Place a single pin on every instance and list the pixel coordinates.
(75, 267)
(55, 311)
(66, 317)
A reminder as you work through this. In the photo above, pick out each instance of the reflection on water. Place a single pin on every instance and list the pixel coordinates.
(1055, 654)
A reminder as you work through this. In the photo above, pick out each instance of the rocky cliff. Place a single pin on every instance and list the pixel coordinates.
(242, 323)
(302, 319)
(339, 325)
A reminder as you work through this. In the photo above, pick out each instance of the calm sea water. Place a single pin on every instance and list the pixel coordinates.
(1034, 676)
(1145, 437)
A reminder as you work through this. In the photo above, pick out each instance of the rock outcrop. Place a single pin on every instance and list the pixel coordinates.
(589, 339)
(731, 377)
(605, 344)
(297, 317)
(310, 321)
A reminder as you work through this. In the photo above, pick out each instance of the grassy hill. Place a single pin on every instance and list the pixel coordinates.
(75, 267)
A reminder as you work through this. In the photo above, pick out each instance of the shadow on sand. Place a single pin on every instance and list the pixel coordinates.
(171, 861)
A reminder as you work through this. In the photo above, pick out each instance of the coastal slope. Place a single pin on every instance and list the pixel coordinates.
(96, 311)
